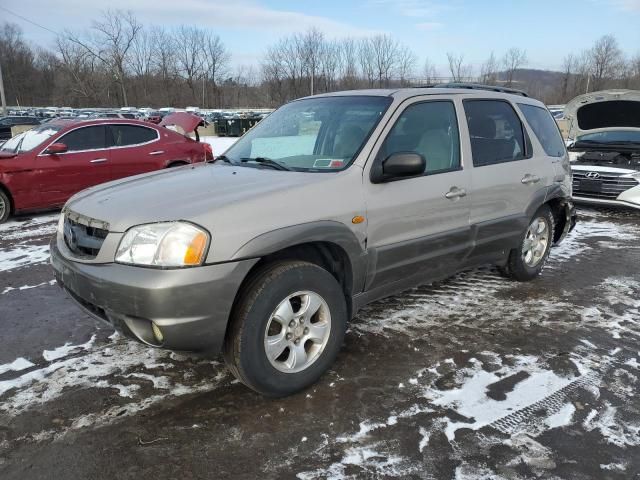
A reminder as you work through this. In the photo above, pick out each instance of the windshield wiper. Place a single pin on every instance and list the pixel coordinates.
(266, 162)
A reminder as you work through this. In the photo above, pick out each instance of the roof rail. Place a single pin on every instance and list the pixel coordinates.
(477, 86)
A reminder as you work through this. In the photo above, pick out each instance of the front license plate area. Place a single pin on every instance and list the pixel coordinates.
(591, 186)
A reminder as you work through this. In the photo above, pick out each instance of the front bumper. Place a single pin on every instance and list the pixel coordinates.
(611, 203)
(191, 306)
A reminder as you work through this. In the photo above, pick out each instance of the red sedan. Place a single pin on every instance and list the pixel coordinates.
(42, 167)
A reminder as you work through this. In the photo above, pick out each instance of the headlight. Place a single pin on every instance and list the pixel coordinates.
(167, 244)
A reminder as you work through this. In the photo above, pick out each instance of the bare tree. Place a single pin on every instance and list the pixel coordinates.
(216, 62)
(489, 70)
(384, 51)
(331, 64)
(312, 45)
(406, 63)
(141, 60)
(349, 55)
(164, 61)
(188, 43)
(514, 59)
(110, 41)
(429, 72)
(366, 59)
(606, 60)
(458, 69)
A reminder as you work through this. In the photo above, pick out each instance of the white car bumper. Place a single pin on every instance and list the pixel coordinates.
(606, 186)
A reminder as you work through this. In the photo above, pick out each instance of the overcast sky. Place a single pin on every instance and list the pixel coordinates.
(546, 29)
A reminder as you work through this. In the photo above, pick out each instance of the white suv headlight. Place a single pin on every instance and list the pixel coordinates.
(166, 244)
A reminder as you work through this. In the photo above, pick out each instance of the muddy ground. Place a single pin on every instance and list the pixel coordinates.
(476, 377)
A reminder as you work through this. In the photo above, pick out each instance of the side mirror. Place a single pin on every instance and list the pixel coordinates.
(399, 165)
(55, 148)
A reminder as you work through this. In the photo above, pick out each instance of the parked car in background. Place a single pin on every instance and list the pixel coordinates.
(329, 203)
(42, 167)
(7, 122)
(124, 114)
(604, 147)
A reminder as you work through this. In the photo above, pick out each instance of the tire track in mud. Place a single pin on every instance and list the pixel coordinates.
(526, 418)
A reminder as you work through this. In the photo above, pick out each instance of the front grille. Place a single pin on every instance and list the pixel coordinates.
(608, 186)
(84, 236)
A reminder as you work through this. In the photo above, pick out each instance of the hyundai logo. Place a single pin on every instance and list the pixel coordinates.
(592, 175)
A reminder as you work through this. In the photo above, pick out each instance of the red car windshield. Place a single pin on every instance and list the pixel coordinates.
(30, 139)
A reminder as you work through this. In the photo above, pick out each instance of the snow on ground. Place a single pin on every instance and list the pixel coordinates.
(219, 144)
(121, 365)
(23, 255)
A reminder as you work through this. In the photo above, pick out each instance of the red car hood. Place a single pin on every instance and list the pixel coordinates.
(187, 122)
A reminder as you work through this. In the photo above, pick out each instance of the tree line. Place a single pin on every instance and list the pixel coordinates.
(121, 62)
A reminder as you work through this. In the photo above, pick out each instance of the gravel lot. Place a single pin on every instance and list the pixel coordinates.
(474, 377)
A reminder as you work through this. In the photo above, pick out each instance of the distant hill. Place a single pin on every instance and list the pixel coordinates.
(541, 84)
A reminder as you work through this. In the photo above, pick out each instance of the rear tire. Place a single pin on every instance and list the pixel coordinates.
(5, 207)
(528, 260)
(286, 328)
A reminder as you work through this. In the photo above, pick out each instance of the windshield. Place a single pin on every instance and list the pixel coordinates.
(611, 136)
(30, 139)
(314, 135)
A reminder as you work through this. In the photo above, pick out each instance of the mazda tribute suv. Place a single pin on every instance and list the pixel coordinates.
(329, 203)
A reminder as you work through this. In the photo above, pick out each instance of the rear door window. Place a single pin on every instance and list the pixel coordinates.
(85, 138)
(127, 135)
(495, 131)
(545, 128)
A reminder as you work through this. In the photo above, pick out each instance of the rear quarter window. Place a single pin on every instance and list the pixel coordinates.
(545, 129)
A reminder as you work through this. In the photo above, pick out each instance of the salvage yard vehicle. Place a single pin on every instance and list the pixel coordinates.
(604, 147)
(329, 203)
(42, 167)
(7, 122)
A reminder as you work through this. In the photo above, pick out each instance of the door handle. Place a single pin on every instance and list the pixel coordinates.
(98, 160)
(529, 179)
(454, 193)
(157, 152)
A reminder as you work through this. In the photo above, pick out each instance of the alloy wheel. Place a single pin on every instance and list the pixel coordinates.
(297, 332)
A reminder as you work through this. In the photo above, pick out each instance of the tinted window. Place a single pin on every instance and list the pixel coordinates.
(496, 132)
(430, 129)
(545, 128)
(122, 135)
(87, 138)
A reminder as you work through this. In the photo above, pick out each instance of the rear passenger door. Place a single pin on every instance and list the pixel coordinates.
(506, 179)
(418, 228)
(134, 149)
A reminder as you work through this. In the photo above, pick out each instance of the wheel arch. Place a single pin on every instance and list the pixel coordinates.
(330, 245)
(7, 192)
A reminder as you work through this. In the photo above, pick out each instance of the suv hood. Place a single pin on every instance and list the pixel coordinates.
(194, 193)
(607, 109)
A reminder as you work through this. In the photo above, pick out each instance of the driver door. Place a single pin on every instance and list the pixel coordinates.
(418, 228)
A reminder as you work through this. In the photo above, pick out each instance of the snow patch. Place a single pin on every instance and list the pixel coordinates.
(22, 255)
(66, 349)
(17, 365)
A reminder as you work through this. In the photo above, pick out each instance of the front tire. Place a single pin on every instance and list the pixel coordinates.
(528, 260)
(286, 329)
(5, 207)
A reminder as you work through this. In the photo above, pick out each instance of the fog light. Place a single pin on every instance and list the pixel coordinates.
(157, 333)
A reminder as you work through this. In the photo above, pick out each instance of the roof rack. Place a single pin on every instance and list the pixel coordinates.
(477, 86)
